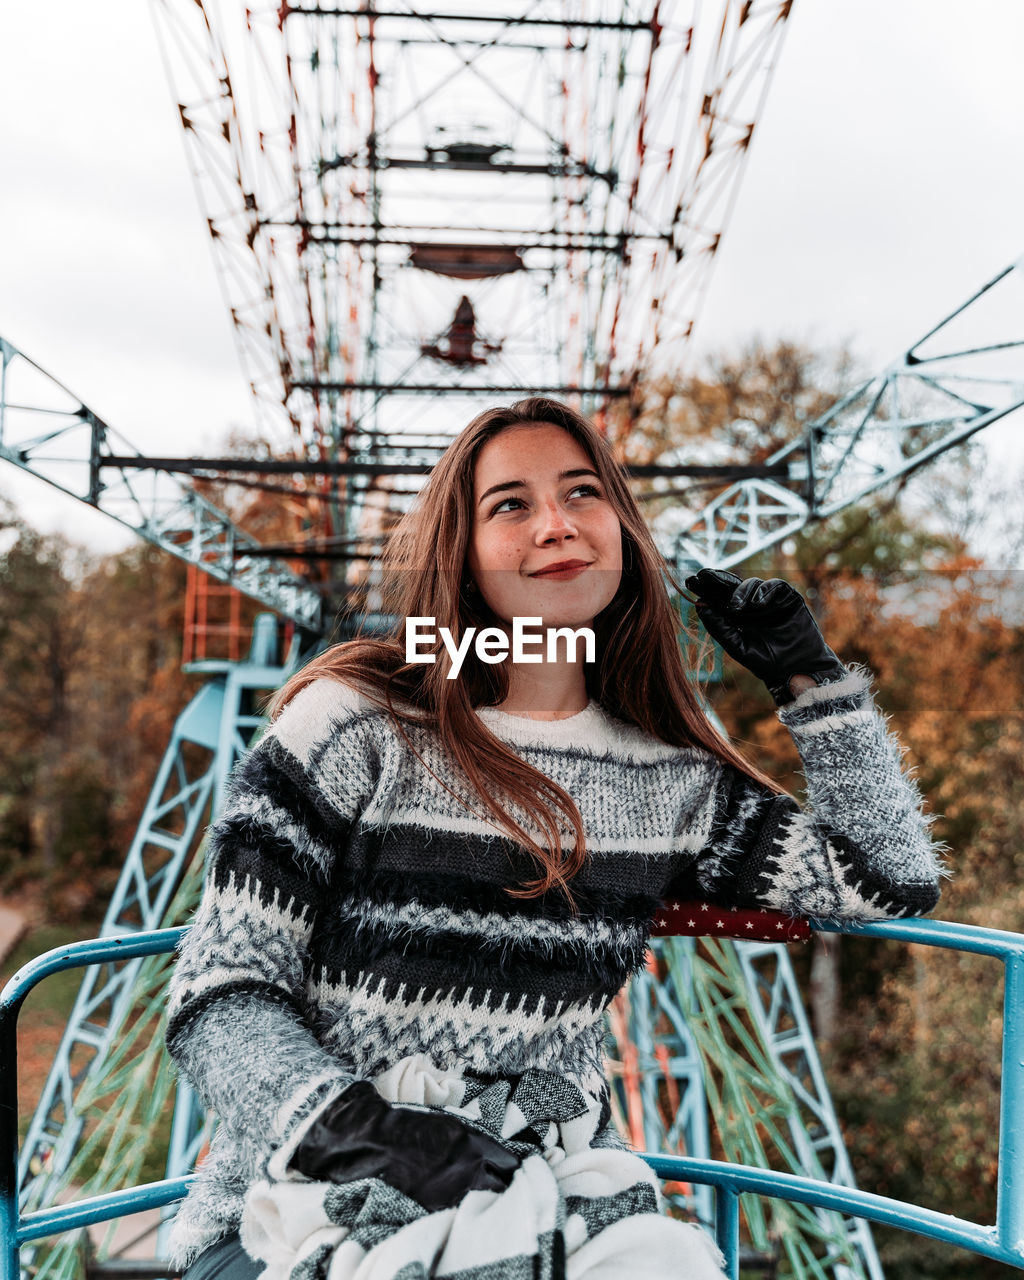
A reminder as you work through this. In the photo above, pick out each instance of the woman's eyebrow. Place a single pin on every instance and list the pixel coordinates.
(521, 484)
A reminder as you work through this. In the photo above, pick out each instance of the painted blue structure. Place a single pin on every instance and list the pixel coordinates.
(664, 1012)
(209, 734)
(1003, 1241)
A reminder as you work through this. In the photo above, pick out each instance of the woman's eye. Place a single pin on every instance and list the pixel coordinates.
(589, 488)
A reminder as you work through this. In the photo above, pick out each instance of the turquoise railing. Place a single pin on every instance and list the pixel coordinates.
(1003, 1240)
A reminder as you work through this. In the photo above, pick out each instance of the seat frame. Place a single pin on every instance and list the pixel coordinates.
(1003, 1240)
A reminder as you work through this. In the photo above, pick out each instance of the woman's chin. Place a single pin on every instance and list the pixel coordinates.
(551, 617)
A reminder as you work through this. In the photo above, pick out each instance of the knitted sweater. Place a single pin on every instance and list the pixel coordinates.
(354, 912)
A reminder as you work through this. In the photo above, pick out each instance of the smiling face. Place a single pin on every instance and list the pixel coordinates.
(537, 501)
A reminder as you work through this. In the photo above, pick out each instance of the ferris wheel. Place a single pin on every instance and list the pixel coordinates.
(409, 205)
(413, 213)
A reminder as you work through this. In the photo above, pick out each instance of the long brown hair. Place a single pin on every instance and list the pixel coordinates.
(639, 675)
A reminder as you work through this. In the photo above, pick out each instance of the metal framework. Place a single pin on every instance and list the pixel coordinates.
(159, 881)
(407, 202)
(960, 377)
(713, 1040)
(46, 430)
(815, 1141)
(1001, 1240)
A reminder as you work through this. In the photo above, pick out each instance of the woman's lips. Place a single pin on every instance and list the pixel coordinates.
(574, 572)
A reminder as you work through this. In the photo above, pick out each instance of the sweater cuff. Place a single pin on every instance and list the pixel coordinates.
(295, 1118)
(846, 700)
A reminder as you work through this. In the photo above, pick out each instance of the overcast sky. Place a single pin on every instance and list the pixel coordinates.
(884, 185)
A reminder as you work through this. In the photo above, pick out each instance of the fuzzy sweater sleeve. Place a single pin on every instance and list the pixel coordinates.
(235, 1014)
(859, 850)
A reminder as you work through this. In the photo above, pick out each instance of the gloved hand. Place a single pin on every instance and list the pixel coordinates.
(766, 626)
(431, 1157)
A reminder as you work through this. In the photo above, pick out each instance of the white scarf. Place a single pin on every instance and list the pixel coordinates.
(303, 1229)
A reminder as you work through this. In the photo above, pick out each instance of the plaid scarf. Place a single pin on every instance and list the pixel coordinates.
(572, 1209)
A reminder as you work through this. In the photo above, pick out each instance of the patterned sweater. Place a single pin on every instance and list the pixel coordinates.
(353, 911)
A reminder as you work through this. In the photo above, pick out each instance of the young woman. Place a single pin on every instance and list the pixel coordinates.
(423, 892)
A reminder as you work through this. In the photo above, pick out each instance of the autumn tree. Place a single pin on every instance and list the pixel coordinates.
(40, 630)
(91, 652)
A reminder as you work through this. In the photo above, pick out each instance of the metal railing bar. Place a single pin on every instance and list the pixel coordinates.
(847, 1200)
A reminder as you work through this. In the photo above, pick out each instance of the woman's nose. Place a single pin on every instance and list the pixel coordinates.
(555, 521)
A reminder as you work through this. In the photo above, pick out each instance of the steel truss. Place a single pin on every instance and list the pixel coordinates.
(105, 1093)
(49, 432)
(960, 377)
(817, 1142)
(721, 1028)
(410, 202)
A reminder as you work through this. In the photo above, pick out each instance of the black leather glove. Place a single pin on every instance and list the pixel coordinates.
(431, 1157)
(766, 626)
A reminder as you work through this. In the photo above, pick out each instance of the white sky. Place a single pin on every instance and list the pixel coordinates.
(884, 186)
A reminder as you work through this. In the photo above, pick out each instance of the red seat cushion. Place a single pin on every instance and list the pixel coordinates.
(702, 919)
